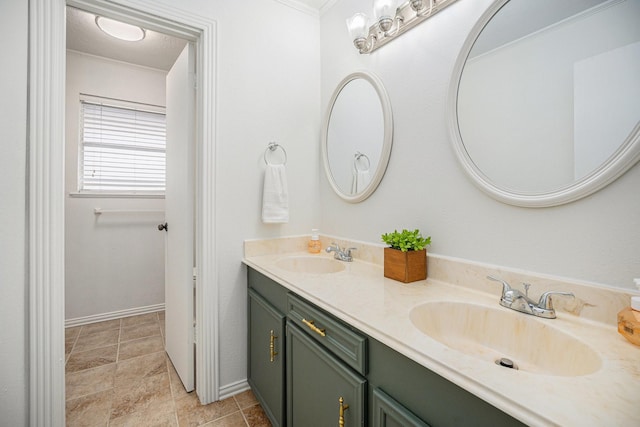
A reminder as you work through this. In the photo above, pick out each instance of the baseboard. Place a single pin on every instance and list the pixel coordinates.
(78, 321)
(233, 389)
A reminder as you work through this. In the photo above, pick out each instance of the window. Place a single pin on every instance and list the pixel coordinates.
(122, 148)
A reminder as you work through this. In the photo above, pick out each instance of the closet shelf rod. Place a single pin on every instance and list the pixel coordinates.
(100, 211)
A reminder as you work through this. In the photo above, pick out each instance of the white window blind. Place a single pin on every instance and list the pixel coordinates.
(122, 149)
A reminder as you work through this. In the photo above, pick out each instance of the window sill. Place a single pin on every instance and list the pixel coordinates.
(89, 195)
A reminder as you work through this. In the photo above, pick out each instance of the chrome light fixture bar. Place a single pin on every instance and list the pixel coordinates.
(391, 21)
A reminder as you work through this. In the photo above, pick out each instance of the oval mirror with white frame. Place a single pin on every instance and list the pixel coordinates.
(357, 136)
(544, 104)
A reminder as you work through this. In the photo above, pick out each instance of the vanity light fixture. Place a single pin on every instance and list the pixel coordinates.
(120, 30)
(390, 21)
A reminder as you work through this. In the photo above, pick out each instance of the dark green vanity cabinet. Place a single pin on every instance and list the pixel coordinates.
(381, 387)
(326, 364)
(266, 335)
(321, 389)
(425, 394)
(387, 412)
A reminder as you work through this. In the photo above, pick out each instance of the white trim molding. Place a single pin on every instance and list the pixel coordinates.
(301, 6)
(46, 212)
(46, 193)
(233, 389)
(102, 317)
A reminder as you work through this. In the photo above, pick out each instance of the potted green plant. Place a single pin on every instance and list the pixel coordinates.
(406, 258)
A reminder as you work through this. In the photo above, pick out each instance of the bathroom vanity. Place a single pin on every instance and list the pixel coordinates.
(423, 353)
(303, 360)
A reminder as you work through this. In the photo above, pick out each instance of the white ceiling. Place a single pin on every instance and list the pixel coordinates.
(160, 51)
(315, 4)
(157, 50)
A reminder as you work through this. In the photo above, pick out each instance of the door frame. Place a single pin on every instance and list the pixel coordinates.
(45, 186)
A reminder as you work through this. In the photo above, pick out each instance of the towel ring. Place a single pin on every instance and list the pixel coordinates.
(273, 146)
(357, 157)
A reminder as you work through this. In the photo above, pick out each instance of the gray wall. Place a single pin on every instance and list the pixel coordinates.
(267, 89)
(113, 262)
(596, 239)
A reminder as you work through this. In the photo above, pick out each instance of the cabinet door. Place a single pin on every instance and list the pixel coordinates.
(316, 380)
(266, 357)
(389, 413)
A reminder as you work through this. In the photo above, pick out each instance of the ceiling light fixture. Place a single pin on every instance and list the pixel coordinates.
(120, 30)
(391, 21)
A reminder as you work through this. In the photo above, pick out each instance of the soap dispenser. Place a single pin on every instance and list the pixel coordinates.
(629, 320)
(314, 246)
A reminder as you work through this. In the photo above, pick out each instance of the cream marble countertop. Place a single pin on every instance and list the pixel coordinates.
(380, 307)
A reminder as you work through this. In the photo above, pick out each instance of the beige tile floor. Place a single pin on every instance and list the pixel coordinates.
(117, 374)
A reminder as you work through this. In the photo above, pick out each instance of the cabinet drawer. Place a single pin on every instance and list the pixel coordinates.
(267, 288)
(321, 390)
(338, 338)
(389, 413)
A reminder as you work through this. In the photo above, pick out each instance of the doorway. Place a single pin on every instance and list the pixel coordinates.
(126, 101)
(114, 263)
(46, 183)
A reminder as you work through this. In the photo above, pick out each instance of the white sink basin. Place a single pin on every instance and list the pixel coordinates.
(311, 265)
(533, 344)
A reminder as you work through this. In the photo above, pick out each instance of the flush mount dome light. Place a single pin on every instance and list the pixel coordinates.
(120, 30)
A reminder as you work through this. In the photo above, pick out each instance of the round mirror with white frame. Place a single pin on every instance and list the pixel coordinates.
(357, 136)
(544, 104)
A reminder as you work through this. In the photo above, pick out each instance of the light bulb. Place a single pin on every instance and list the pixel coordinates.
(358, 26)
(384, 9)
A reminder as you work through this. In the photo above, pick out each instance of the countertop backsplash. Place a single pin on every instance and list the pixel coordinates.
(592, 302)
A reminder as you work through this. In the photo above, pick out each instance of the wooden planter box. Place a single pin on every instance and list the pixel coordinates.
(405, 267)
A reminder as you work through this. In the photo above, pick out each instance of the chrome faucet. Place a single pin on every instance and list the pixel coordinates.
(516, 300)
(342, 255)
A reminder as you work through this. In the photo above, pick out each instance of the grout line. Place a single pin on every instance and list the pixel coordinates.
(142, 337)
(226, 416)
(101, 344)
(118, 349)
(94, 392)
(241, 411)
(244, 418)
(166, 364)
(113, 395)
(75, 341)
(73, 346)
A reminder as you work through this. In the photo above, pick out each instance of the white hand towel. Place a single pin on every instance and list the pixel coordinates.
(360, 181)
(275, 195)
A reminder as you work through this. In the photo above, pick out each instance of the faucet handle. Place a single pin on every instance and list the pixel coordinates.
(505, 286)
(348, 251)
(546, 302)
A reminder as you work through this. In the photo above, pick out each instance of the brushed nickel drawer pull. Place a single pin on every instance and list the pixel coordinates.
(313, 327)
